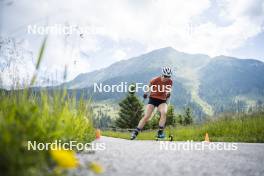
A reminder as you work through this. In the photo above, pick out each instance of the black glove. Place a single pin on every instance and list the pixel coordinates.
(145, 95)
(168, 95)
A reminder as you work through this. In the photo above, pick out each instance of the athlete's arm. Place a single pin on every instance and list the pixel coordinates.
(147, 92)
(168, 93)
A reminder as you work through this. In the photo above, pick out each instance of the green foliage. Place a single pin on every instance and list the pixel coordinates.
(131, 111)
(179, 119)
(102, 121)
(42, 118)
(170, 116)
(187, 117)
(153, 123)
(40, 57)
(102, 115)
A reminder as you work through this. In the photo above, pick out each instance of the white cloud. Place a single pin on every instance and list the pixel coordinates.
(120, 54)
(133, 24)
(60, 53)
(246, 18)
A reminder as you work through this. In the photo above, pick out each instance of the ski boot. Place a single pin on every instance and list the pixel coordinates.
(160, 135)
(134, 135)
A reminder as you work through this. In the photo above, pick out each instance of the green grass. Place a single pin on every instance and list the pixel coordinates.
(43, 118)
(230, 128)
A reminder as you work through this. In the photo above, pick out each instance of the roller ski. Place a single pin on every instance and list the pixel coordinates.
(162, 137)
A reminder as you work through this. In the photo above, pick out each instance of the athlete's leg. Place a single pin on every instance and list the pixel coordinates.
(143, 121)
(162, 108)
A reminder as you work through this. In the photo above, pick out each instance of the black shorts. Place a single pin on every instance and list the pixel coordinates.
(156, 102)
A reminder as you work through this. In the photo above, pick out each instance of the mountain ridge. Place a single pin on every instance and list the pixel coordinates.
(201, 76)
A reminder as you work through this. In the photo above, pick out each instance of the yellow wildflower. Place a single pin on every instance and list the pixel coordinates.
(96, 168)
(64, 158)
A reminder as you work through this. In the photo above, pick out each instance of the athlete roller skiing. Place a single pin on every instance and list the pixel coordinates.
(158, 94)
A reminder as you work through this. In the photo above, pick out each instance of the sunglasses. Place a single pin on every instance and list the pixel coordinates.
(166, 76)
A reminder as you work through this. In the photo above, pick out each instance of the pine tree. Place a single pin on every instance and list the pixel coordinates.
(131, 111)
(105, 121)
(179, 119)
(170, 116)
(187, 118)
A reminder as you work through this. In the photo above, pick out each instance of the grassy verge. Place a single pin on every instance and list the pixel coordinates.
(231, 128)
(41, 118)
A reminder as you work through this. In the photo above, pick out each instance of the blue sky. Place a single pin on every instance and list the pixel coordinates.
(121, 29)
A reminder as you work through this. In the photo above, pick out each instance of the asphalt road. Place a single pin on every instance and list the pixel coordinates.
(136, 158)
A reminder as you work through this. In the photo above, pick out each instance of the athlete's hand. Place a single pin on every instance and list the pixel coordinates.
(145, 95)
(168, 95)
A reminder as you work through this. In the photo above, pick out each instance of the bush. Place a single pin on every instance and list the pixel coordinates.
(42, 118)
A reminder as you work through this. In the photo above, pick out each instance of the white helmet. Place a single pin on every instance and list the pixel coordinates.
(166, 71)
